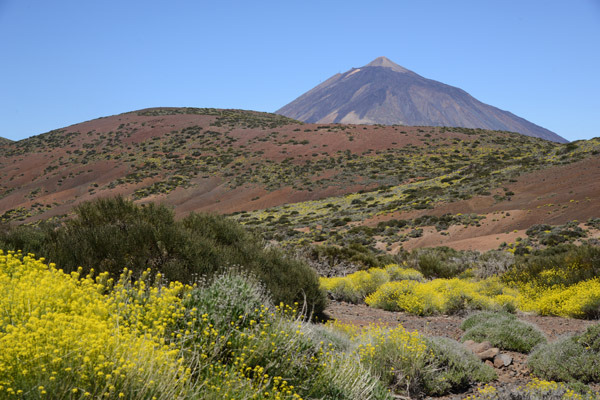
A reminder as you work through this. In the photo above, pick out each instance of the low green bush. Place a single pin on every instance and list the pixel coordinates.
(575, 358)
(456, 368)
(437, 262)
(502, 330)
(590, 339)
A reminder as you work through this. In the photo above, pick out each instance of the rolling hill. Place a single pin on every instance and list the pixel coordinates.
(309, 183)
(383, 92)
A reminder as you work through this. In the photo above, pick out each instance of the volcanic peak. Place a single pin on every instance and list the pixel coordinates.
(387, 63)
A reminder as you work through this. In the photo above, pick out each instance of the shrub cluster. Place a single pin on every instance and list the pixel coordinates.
(355, 287)
(69, 336)
(413, 365)
(502, 330)
(353, 253)
(552, 235)
(568, 264)
(110, 234)
(559, 281)
(448, 296)
(437, 262)
(445, 262)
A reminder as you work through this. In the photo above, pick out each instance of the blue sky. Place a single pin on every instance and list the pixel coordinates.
(64, 62)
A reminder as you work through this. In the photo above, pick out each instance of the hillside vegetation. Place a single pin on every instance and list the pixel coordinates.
(173, 154)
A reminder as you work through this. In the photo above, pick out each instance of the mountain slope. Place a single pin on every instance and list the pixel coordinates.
(383, 92)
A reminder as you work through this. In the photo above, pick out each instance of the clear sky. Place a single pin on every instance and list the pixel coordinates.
(64, 62)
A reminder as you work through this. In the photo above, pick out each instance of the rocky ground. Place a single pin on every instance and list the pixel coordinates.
(514, 374)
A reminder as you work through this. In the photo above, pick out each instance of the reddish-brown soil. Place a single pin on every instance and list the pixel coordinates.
(25, 173)
(552, 196)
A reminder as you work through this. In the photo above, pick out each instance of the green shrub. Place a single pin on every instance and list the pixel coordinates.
(437, 262)
(590, 339)
(31, 239)
(493, 263)
(231, 297)
(502, 330)
(269, 344)
(400, 273)
(483, 316)
(573, 264)
(354, 253)
(568, 359)
(456, 368)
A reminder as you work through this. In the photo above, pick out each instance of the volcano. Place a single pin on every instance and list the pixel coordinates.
(383, 92)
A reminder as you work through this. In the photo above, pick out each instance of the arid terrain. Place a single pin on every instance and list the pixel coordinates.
(232, 161)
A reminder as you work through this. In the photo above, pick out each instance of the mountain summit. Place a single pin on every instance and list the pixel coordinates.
(387, 63)
(383, 92)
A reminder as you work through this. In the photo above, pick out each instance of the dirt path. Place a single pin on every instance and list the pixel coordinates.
(449, 326)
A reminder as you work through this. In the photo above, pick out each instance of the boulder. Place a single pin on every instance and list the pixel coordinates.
(502, 360)
(489, 354)
(480, 347)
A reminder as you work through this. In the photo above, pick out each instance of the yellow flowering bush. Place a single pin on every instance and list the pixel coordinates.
(441, 296)
(62, 334)
(399, 356)
(356, 286)
(580, 300)
(414, 365)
